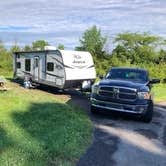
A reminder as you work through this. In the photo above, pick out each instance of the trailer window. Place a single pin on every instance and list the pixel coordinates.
(50, 66)
(18, 65)
(27, 65)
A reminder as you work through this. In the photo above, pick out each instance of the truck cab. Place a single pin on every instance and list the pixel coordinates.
(124, 90)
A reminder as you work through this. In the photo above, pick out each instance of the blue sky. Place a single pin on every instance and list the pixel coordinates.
(64, 21)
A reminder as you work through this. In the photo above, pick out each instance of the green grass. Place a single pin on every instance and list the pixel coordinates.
(159, 92)
(6, 73)
(37, 129)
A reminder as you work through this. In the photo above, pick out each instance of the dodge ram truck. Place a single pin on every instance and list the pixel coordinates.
(124, 90)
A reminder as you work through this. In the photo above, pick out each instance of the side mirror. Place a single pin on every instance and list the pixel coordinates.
(154, 81)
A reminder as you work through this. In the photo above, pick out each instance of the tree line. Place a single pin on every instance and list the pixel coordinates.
(131, 49)
(6, 55)
(142, 50)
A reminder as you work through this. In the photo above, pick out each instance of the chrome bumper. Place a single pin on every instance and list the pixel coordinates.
(135, 109)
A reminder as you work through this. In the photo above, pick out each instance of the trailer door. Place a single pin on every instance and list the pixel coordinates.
(36, 68)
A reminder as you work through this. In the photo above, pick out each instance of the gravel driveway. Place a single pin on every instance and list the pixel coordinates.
(121, 141)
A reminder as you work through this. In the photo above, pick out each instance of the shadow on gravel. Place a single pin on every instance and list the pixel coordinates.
(101, 151)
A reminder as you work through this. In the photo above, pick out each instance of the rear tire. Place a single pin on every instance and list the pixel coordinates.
(93, 110)
(147, 117)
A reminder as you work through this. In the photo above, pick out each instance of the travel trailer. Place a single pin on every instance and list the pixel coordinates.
(59, 68)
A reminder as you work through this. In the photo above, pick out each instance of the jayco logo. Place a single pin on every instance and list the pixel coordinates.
(77, 60)
(77, 56)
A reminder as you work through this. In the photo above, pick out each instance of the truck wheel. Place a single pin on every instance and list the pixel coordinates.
(147, 117)
(93, 109)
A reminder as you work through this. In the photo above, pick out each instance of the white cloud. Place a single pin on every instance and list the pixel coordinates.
(66, 20)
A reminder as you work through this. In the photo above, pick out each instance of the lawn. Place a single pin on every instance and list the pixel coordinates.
(38, 129)
(159, 92)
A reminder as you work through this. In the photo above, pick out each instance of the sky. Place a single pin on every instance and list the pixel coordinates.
(64, 21)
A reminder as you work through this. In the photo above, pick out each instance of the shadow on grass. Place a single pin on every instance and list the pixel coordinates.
(5, 141)
(58, 133)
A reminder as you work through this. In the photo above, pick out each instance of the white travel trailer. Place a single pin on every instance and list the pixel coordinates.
(59, 68)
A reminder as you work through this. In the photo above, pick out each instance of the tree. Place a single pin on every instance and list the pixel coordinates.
(93, 41)
(27, 48)
(162, 56)
(61, 47)
(39, 45)
(15, 48)
(5, 60)
(137, 47)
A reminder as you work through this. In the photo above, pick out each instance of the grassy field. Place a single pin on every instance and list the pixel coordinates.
(159, 92)
(37, 129)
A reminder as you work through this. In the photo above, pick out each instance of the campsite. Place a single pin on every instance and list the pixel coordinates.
(82, 83)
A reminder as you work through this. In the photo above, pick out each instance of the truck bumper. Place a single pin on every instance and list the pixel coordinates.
(135, 109)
